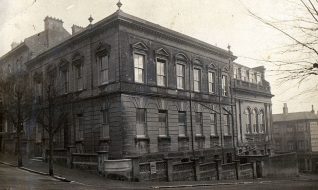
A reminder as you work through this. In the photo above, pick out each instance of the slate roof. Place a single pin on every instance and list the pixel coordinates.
(295, 116)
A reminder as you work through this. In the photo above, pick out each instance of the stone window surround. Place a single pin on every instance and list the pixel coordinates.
(102, 50)
(78, 63)
(140, 48)
(162, 54)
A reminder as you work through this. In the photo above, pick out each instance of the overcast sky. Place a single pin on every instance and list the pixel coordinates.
(217, 22)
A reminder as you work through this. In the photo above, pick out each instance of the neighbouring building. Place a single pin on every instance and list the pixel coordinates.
(297, 132)
(133, 88)
(252, 96)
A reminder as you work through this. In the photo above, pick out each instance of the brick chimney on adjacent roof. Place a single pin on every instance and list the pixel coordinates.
(312, 109)
(14, 45)
(53, 23)
(285, 109)
(76, 29)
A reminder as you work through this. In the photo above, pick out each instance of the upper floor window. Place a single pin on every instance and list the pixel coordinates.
(235, 72)
(105, 123)
(198, 124)
(180, 76)
(252, 77)
(211, 80)
(196, 80)
(104, 68)
(255, 121)
(80, 127)
(290, 129)
(244, 75)
(248, 121)
(139, 65)
(141, 122)
(259, 78)
(213, 124)
(161, 72)
(226, 121)
(261, 122)
(290, 145)
(163, 123)
(64, 80)
(182, 123)
(79, 82)
(225, 86)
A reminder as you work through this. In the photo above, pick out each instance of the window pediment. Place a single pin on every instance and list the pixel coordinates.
(181, 57)
(37, 77)
(212, 66)
(77, 59)
(63, 64)
(140, 46)
(103, 49)
(162, 52)
(197, 62)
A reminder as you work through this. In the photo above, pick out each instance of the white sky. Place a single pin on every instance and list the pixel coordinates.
(217, 22)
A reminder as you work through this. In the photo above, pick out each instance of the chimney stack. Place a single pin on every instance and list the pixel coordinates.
(76, 29)
(312, 109)
(14, 45)
(51, 23)
(285, 109)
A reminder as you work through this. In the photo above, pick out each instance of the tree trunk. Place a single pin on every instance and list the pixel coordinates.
(19, 148)
(51, 154)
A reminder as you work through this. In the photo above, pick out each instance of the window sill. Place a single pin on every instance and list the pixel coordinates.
(183, 138)
(104, 139)
(79, 140)
(141, 138)
(199, 137)
(164, 138)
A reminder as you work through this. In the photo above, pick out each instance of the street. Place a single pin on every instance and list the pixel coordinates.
(14, 178)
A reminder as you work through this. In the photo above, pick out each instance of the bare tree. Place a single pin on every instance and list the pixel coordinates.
(17, 103)
(51, 114)
(298, 58)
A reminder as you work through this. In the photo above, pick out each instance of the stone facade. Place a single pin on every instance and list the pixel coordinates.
(253, 110)
(133, 88)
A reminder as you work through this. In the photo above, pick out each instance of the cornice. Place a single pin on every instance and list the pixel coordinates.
(175, 36)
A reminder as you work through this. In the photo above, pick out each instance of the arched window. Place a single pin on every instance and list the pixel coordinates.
(255, 121)
(261, 122)
(248, 120)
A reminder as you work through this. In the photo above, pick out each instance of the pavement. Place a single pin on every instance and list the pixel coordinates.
(94, 181)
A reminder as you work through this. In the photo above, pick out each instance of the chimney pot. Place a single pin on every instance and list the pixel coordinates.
(285, 108)
(53, 23)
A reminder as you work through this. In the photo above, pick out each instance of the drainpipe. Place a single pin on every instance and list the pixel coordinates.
(191, 122)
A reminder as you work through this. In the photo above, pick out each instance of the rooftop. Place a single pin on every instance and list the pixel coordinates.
(295, 116)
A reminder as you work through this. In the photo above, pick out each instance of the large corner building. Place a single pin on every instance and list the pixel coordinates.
(133, 88)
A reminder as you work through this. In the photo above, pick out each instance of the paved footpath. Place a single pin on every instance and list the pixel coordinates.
(94, 181)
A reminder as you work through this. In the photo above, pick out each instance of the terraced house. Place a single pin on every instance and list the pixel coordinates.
(132, 88)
